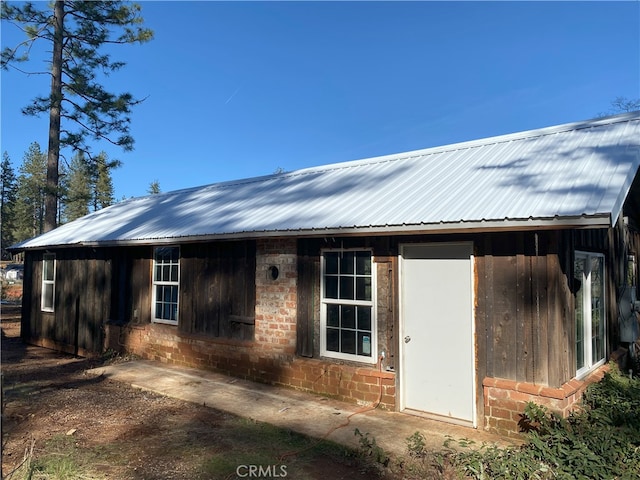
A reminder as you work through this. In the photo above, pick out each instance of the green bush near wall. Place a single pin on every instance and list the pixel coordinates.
(600, 440)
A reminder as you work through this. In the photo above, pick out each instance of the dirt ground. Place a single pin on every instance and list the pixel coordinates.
(50, 404)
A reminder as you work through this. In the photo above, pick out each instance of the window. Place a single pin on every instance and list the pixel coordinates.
(166, 277)
(48, 282)
(348, 325)
(588, 273)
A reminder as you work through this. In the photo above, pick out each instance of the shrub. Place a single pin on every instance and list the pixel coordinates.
(600, 440)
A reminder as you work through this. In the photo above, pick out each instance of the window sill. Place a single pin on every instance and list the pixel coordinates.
(351, 359)
(165, 322)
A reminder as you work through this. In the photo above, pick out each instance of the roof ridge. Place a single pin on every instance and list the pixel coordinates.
(466, 144)
(503, 138)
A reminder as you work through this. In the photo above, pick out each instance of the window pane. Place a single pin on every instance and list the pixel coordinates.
(331, 263)
(364, 344)
(348, 316)
(166, 294)
(363, 288)
(333, 340)
(578, 275)
(174, 273)
(346, 263)
(331, 287)
(165, 254)
(597, 309)
(160, 293)
(158, 310)
(47, 273)
(333, 315)
(363, 263)
(364, 318)
(348, 341)
(47, 296)
(346, 288)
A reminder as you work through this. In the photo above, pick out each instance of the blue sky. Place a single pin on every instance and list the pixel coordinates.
(240, 89)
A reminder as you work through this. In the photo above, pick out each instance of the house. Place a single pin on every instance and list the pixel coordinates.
(456, 282)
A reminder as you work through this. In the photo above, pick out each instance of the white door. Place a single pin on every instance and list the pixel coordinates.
(437, 347)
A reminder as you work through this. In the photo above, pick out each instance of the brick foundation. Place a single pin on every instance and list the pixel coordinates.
(270, 357)
(505, 400)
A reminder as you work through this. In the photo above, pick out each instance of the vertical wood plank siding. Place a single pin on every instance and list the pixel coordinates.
(217, 289)
(523, 307)
(308, 297)
(82, 301)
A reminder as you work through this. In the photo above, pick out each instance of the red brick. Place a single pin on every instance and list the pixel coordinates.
(504, 384)
(502, 413)
(520, 396)
(331, 389)
(495, 393)
(552, 392)
(506, 404)
(530, 388)
(388, 400)
(363, 387)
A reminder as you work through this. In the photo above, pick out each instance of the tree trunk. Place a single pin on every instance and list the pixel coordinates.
(53, 154)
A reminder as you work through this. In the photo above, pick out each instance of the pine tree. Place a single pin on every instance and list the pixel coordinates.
(31, 184)
(103, 193)
(78, 186)
(7, 203)
(76, 31)
(154, 188)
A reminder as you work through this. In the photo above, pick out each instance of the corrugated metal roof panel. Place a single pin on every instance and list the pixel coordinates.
(580, 170)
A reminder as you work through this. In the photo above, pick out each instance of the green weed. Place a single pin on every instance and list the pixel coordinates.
(600, 440)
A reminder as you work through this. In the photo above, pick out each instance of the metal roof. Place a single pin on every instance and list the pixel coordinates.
(573, 174)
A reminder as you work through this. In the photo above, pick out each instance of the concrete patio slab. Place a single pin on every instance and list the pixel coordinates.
(301, 412)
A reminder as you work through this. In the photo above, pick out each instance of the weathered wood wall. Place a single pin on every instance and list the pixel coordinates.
(217, 289)
(82, 300)
(95, 286)
(524, 312)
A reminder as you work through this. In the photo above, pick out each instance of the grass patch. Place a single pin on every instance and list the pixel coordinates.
(58, 462)
(270, 452)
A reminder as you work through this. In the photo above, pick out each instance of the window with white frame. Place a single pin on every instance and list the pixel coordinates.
(588, 271)
(348, 319)
(166, 278)
(48, 282)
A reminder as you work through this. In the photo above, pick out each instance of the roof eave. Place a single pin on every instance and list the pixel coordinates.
(481, 226)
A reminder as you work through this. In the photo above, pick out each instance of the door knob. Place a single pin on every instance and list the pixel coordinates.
(407, 339)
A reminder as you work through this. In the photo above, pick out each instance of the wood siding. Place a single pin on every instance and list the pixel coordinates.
(524, 314)
(217, 289)
(82, 300)
(96, 286)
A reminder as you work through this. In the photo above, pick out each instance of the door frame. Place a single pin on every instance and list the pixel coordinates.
(473, 344)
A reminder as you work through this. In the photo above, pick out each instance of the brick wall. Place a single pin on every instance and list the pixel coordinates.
(504, 400)
(270, 357)
(275, 328)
